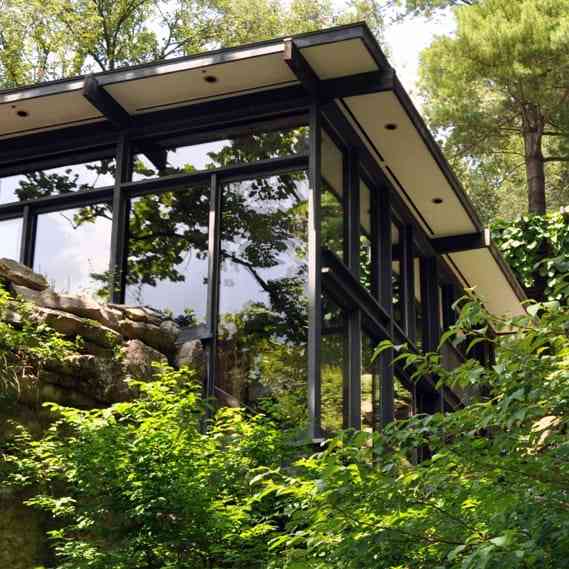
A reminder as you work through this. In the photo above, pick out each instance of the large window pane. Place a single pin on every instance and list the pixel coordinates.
(57, 181)
(168, 253)
(366, 247)
(418, 302)
(397, 282)
(73, 248)
(227, 152)
(262, 299)
(369, 385)
(10, 237)
(332, 207)
(333, 361)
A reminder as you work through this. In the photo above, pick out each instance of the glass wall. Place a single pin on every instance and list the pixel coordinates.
(187, 158)
(10, 239)
(167, 265)
(397, 276)
(418, 301)
(263, 321)
(366, 240)
(57, 181)
(333, 363)
(369, 385)
(332, 208)
(73, 249)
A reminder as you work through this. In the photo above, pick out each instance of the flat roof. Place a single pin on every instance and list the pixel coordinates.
(408, 154)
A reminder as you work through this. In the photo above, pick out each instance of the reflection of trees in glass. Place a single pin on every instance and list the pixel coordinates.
(263, 306)
(58, 181)
(220, 154)
(332, 221)
(333, 364)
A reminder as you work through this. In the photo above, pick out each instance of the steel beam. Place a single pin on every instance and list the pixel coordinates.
(459, 243)
(104, 103)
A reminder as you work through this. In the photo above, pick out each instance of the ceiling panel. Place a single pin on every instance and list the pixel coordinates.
(197, 84)
(52, 111)
(407, 156)
(339, 59)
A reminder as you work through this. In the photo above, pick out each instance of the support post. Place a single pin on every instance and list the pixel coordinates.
(385, 250)
(119, 231)
(214, 243)
(353, 390)
(28, 242)
(314, 273)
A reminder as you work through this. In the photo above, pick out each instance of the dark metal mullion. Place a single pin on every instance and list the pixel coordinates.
(408, 272)
(430, 300)
(314, 274)
(352, 403)
(385, 250)
(448, 298)
(28, 236)
(403, 290)
(214, 246)
(121, 211)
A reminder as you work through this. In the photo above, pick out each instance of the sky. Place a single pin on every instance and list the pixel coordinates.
(407, 39)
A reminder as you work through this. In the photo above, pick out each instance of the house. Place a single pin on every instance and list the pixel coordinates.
(283, 201)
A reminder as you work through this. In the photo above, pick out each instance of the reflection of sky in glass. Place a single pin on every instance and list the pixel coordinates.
(195, 156)
(10, 235)
(67, 254)
(9, 185)
(238, 286)
(176, 297)
(189, 293)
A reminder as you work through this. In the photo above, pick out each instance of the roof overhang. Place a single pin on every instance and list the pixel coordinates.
(344, 64)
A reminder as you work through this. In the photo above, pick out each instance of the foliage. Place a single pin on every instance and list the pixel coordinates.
(141, 485)
(41, 41)
(495, 93)
(25, 344)
(537, 248)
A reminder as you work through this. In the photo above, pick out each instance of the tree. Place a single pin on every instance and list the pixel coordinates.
(496, 93)
(42, 41)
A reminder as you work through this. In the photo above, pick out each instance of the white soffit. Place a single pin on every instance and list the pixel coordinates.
(190, 86)
(339, 59)
(410, 161)
(483, 272)
(43, 113)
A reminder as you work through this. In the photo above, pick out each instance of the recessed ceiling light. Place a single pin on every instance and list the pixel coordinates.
(390, 126)
(23, 114)
(210, 79)
(437, 200)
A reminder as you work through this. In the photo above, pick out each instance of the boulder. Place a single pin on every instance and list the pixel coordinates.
(162, 338)
(139, 359)
(71, 325)
(191, 354)
(19, 274)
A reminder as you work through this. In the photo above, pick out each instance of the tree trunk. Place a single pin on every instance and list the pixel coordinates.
(535, 166)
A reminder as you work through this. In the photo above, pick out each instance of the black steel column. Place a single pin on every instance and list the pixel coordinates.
(314, 273)
(353, 390)
(119, 232)
(432, 403)
(385, 250)
(408, 274)
(214, 243)
(28, 239)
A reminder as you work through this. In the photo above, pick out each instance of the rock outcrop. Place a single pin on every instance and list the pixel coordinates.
(116, 343)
